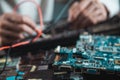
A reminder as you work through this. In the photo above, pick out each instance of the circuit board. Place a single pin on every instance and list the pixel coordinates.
(92, 54)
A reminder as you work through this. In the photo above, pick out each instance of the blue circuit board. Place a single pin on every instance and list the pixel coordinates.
(92, 53)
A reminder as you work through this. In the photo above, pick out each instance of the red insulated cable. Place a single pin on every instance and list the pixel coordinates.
(39, 32)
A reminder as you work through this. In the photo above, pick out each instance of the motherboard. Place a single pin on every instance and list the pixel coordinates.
(91, 55)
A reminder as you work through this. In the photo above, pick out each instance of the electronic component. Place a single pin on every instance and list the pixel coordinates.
(93, 54)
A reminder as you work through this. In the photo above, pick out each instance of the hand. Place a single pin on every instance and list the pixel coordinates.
(12, 26)
(86, 13)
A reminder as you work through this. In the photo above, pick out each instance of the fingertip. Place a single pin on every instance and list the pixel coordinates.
(69, 20)
(27, 20)
(21, 36)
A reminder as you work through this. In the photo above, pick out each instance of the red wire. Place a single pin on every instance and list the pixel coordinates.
(39, 32)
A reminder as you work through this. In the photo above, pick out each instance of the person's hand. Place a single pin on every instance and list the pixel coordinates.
(86, 13)
(12, 27)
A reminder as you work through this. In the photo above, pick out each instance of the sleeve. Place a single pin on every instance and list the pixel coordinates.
(47, 9)
(112, 6)
(28, 9)
(5, 7)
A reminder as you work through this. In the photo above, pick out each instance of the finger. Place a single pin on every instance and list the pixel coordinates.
(100, 18)
(91, 8)
(13, 17)
(97, 16)
(10, 26)
(79, 20)
(16, 18)
(10, 34)
(25, 28)
(26, 20)
(100, 13)
(72, 10)
(69, 16)
(90, 13)
(84, 4)
(83, 21)
(18, 28)
(77, 8)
